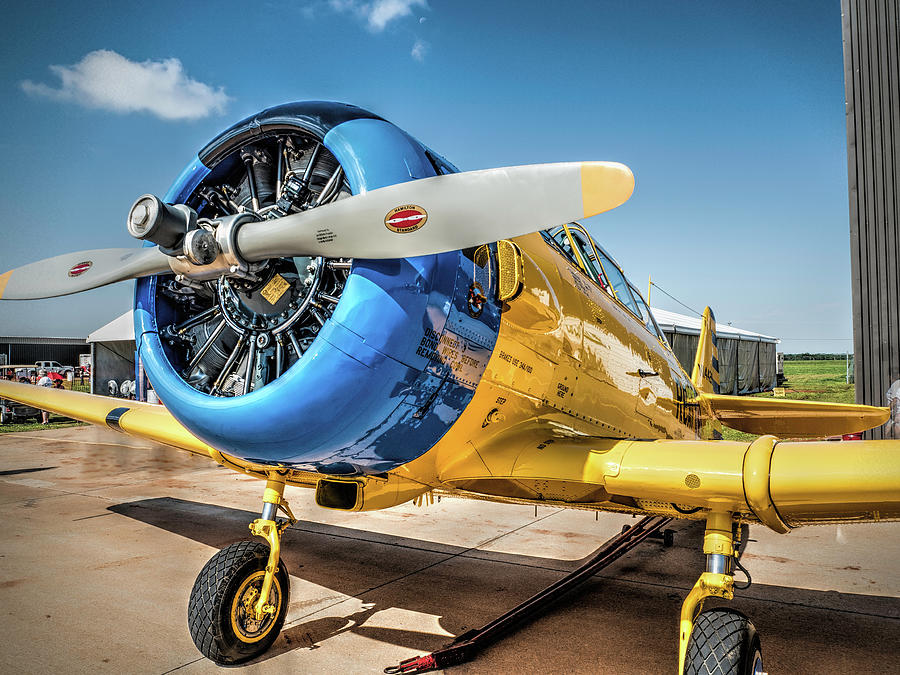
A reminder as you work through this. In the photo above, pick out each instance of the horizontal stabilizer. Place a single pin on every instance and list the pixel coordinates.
(788, 418)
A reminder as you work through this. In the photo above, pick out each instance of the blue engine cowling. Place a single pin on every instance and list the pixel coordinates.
(392, 368)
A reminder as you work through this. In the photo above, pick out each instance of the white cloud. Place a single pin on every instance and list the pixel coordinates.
(379, 13)
(107, 80)
(384, 11)
(420, 47)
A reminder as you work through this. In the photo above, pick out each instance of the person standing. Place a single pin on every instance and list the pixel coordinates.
(44, 381)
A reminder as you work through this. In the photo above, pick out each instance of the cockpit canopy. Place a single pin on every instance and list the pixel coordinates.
(576, 244)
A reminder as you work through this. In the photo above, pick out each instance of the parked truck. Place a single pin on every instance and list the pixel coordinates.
(26, 371)
(53, 366)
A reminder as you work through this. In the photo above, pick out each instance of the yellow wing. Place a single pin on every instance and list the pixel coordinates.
(784, 417)
(144, 420)
(781, 484)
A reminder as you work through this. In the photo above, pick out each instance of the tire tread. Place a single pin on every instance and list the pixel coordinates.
(208, 588)
(716, 641)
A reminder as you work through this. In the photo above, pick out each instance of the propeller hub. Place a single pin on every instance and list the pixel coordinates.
(152, 220)
(139, 215)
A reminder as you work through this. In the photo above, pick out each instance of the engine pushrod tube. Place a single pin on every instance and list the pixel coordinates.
(251, 364)
(279, 355)
(251, 182)
(206, 345)
(331, 187)
(279, 176)
(185, 326)
(307, 174)
(226, 369)
(295, 344)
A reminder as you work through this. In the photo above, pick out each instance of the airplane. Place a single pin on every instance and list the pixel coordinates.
(322, 301)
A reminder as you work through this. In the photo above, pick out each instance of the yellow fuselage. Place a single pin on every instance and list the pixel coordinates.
(570, 361)
(573, 375)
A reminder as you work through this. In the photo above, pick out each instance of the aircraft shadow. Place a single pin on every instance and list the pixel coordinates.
(17, 472)
(465, 588)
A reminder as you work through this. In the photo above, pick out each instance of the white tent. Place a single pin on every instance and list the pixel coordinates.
(747, 360)
(120, 328)
(112, 353)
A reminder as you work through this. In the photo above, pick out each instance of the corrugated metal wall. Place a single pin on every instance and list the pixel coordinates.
(872, 84)
(29, 350)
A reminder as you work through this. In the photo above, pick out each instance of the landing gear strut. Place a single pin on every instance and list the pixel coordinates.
(718, 640)
(239, 601)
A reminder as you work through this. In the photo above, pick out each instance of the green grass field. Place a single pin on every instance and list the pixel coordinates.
(809, 381)
(56, 422)
(817, 381)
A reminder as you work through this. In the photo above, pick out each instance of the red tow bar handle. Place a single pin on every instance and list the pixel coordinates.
(417, 664)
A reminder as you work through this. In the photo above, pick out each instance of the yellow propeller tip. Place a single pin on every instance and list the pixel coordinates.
(4, 279)
(604, 186)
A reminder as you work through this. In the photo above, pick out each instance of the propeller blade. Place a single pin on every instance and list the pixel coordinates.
(80, 271)
(431, 215)
(443, 213)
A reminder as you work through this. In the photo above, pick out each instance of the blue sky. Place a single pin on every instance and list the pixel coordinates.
(731, 116)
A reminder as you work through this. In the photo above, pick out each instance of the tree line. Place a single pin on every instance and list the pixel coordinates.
(806, 356)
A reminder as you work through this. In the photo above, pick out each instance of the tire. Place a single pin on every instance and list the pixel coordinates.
(668, 538)
(216, 618)
(723, 642)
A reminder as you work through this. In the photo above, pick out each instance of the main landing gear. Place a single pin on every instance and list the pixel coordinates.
(718, 640)
(240, 599)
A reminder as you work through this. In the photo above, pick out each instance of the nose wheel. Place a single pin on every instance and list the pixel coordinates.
(221, 614)
(240, 598)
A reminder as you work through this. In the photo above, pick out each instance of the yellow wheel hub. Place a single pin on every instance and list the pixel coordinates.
(243, 622)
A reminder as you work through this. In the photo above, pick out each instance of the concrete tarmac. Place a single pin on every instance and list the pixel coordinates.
(103, 536)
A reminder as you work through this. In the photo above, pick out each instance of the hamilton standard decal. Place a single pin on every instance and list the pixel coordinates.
(406, 218)
(80, 268)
